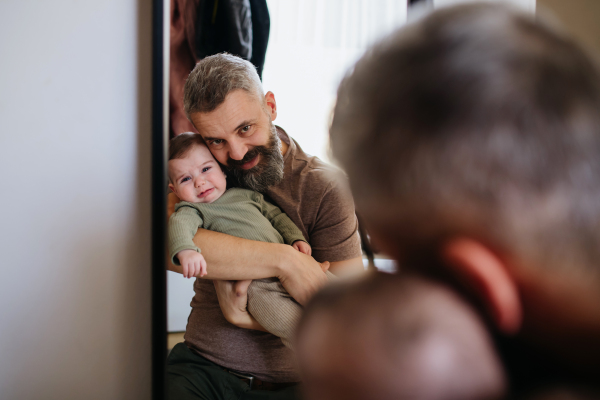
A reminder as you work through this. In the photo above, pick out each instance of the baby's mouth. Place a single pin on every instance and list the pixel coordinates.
(206, 193)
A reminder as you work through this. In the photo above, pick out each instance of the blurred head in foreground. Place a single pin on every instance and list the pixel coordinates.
(472, 143)
(391, 337)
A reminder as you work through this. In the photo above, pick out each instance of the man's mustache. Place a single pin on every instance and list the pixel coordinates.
(249, 156)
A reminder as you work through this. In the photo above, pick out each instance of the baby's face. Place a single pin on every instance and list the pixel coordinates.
(197, 177)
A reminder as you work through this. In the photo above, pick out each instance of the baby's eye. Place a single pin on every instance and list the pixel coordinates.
(187, 178)
(205, 169)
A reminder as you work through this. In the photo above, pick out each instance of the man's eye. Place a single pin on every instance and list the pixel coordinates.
(245, 129)
(205, 169)
(187, 178)
(216, 143)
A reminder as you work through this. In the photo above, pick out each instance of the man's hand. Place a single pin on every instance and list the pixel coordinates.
(172, 199)
(302, 276)
(233, 299)
(192, 262)
(302, 247)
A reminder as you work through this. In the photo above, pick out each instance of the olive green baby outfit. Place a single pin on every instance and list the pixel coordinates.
(245, 214)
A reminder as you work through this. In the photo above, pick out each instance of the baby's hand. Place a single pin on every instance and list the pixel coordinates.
(302, 247)
(193, 263)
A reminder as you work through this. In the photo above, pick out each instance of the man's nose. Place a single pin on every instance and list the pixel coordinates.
(237, 150)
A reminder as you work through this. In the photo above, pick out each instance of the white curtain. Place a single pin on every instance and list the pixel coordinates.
(311, 46)
(528, 5)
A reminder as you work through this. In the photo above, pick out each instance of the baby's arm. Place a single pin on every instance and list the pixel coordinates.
(183, 225)
(284, 225)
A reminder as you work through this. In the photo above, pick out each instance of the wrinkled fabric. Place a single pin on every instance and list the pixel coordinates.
(200, 28)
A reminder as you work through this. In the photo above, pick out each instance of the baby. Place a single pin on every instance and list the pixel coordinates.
(390, 337)
(197, 179)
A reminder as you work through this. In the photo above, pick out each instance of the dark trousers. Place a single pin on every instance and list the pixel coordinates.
(190, 376)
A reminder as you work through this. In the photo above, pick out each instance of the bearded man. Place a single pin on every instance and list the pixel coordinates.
(220, 359)
(472, 143)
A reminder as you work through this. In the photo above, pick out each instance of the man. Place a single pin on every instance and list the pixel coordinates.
(225, 102)
(472, 143)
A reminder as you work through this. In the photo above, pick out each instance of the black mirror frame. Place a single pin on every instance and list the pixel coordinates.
(160, 81)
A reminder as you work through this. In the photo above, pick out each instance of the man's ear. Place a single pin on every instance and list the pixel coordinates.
(271, 105)
(487, 277)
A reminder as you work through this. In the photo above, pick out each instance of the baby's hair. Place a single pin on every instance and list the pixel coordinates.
(182, 143)
(406, 337)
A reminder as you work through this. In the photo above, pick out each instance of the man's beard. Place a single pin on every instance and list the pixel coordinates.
(268, 171)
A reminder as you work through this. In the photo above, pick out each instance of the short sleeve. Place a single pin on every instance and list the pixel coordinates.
(334, 236)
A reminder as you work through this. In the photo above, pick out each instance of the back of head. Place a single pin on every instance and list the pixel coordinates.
(393, 337)
(214, 77)
(476, 120)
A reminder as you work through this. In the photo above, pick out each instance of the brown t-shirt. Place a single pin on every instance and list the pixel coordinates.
(315, 196)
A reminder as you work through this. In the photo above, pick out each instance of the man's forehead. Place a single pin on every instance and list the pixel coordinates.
(239, 106)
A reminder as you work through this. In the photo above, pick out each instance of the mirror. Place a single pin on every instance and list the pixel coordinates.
(310, 46)
(301, 50)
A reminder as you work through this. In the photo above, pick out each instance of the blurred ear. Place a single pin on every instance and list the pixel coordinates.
(487, 277)
(172, 188)
(271, 105)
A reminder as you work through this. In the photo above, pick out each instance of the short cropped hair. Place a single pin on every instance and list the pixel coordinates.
(214, 77)
(476, 120)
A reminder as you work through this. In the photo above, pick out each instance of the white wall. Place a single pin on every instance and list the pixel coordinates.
(75, 207)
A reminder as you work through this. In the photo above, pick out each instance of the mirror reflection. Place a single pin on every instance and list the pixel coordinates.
(261, 221)
(257, 178)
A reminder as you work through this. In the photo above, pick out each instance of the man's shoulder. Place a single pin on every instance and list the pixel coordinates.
(321, 177)
(311, 170)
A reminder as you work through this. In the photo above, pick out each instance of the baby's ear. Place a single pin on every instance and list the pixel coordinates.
(172, 187)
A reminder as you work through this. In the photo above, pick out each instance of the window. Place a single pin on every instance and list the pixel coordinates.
(312, 43)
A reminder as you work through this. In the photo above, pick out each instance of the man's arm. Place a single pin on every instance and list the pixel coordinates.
(232, 258)
(347, 268)
(235, 311)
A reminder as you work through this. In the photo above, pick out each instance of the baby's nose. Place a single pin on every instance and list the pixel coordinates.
(199, 182)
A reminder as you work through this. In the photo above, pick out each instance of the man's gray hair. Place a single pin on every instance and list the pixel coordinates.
(476, 120)
(214, 77)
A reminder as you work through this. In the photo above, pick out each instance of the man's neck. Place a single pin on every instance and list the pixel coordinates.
(284, 147)
(283, 139)
(563, 316)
